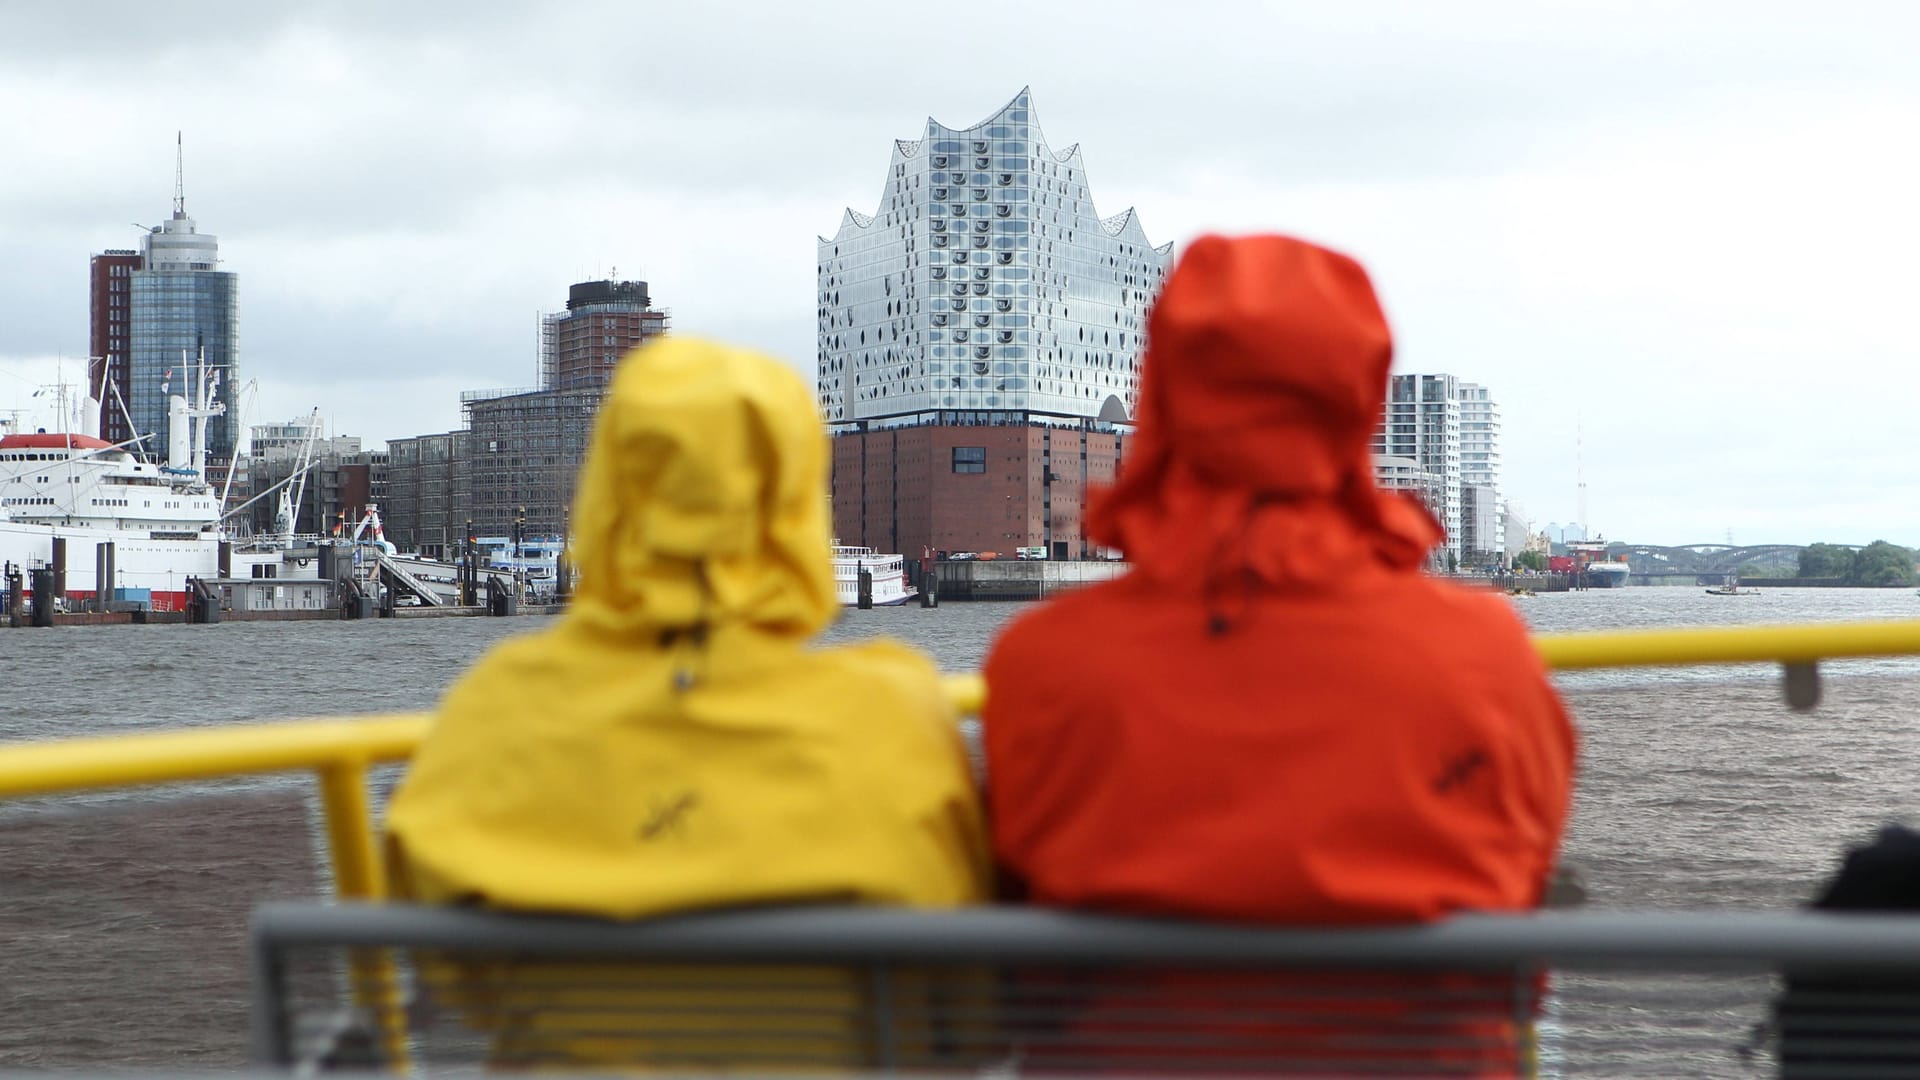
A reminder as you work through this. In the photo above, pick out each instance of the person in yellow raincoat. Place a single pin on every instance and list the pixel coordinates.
(675, 741)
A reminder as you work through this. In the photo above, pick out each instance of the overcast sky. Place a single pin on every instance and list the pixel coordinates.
(1678, 241)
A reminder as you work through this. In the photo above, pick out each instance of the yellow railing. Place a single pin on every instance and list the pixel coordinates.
(1802, 644)
(339, 751)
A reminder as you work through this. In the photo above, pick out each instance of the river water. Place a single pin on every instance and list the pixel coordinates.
(122, 914)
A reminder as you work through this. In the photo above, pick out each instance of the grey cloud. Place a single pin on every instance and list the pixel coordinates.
(401, 186)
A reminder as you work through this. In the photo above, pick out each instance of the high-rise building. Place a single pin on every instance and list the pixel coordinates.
(524, 452)
(1483, 530)
(1421, 421)
(580, 347)
(1480, 526)
(986, 291)
(986, 282)
(426, 496)
(521, 449)
(110, 318)
(182, 308)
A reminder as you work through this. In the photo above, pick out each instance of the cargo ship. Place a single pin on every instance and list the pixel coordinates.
(1602, 572)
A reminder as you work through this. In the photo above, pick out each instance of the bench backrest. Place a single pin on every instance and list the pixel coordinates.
(995, 988)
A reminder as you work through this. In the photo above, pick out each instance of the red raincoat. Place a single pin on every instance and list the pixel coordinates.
(1275, 717)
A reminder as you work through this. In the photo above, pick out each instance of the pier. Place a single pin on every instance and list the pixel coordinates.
(1034, 579)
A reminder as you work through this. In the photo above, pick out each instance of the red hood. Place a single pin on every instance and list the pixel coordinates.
(1265, 374)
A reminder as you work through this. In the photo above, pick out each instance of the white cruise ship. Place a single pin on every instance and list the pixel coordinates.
(163, 521)
(88, 492)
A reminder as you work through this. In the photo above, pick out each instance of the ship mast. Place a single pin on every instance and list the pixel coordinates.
(200, 414)
(187, 451)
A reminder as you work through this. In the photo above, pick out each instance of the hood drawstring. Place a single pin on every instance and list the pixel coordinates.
(1227, 609)
(694, 653)
(689, 642)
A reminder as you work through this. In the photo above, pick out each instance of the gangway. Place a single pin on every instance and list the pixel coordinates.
(398, 576)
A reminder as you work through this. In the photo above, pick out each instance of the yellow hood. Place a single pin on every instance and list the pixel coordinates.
(702, 498)
(674, 741)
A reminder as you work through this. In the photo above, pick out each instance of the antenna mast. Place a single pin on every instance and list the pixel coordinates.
(179, 177)
(1580, 476)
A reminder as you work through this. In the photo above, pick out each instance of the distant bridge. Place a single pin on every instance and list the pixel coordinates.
(1705, 558)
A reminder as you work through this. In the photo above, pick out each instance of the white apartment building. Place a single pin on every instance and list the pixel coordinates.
(264, 439)
(1421, 422)
(1400, 474)
(1483, 522)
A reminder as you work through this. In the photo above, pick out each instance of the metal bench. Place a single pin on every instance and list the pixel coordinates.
(1008, 990)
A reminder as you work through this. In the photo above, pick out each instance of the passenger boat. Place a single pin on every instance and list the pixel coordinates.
(82, 507)
(65, 497)
(87, 492)
(889, 575)
(339, 985)
(534, 560)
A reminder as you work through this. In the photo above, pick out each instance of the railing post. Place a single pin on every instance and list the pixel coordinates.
(1801, 681)
(359, 874)
(357, 870)
(272, 1021)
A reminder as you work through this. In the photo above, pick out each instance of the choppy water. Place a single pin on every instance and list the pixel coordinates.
(122, 915)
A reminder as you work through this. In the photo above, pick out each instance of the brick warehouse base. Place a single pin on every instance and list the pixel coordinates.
(949, 487)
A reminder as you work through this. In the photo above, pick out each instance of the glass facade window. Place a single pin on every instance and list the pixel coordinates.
(969, 459)
(177, 317)
(1044, 297)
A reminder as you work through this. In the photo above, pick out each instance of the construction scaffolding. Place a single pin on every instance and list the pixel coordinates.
(580, 347)
(521, 448)
(425, 508)
(524, 450)
(549, 345)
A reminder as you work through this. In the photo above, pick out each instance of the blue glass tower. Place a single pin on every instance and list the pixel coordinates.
(181, 306)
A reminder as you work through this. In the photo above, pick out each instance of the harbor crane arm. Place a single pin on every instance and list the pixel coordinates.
(306, 460)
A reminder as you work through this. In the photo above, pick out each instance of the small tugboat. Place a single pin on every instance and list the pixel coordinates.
(1732, 588)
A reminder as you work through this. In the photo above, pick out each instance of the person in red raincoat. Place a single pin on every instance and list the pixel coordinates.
(1275, 716)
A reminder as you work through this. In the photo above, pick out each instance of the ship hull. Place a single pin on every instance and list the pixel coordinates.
(140, 561)
(1607, 578)
(890, 586)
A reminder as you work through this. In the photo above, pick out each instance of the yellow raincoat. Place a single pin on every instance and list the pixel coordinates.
(674, 742)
